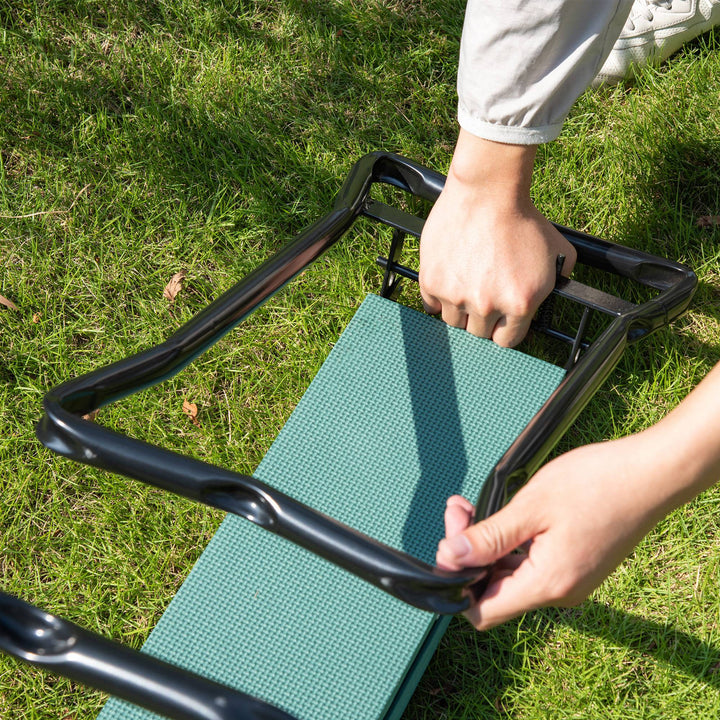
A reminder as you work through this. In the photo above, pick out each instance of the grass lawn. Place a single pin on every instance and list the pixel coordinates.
(167, 135)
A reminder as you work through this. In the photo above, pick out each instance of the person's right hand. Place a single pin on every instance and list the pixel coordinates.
(488, 258)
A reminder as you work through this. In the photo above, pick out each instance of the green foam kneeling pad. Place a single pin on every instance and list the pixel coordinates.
(405, 412)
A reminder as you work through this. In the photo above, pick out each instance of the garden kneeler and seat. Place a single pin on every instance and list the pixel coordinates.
(327, 605)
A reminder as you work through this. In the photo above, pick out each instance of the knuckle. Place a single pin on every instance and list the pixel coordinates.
(484, 309)
(435, 285)
(482, 306)
(521, 305)
(488, 537)
(429, 280)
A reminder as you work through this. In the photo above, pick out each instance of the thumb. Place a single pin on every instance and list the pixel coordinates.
(489, 540)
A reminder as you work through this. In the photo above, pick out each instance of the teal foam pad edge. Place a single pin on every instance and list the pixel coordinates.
(404, 412)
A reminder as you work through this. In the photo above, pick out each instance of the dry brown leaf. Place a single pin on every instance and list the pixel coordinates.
(36, 317)
(705, 221)
(91, 415)
(8, 303)
(174, 286)
(191, 410)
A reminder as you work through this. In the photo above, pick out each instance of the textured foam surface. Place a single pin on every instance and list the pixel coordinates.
(404, 412)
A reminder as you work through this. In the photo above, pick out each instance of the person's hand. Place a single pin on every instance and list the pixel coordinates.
(569, 527)
(488, 258)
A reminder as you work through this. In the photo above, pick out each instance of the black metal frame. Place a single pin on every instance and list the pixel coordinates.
(64, 430)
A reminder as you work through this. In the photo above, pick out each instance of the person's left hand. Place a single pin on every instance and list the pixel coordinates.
(564, 531)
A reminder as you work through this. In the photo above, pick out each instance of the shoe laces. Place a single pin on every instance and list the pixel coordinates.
(646, 9)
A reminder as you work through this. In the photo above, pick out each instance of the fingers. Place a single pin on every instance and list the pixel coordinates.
(454, 315)
(487, 541)
(483, 325)
(510, 593)
(431, 304)
(514, 583)
(458, 515)
(488, 320)
(510, 331)
(506, 332)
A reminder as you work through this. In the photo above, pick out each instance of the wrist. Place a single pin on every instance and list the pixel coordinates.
(498, 173)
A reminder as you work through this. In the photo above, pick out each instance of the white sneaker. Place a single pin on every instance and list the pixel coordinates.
(653, 32)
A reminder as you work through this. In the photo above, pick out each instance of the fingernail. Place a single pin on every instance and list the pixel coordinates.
(459, 546)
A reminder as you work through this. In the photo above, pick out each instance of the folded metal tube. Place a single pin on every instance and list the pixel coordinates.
(531, 447)
(63, 430)
(59, 646)
(413, 581)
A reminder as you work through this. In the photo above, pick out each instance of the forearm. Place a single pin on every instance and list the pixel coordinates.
(687, 441)
(498, 173)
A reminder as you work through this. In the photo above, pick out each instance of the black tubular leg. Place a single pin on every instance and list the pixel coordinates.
(59, 646)
(577, 342)
(391, 280)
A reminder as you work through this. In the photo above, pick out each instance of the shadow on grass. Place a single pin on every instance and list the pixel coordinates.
(683, 193)
(484, 666)
(660, 641)
(258, 139)
(682, 186)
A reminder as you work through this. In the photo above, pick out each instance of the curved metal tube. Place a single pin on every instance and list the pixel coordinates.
(50, 642)
(396, 572)
(677, 284)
